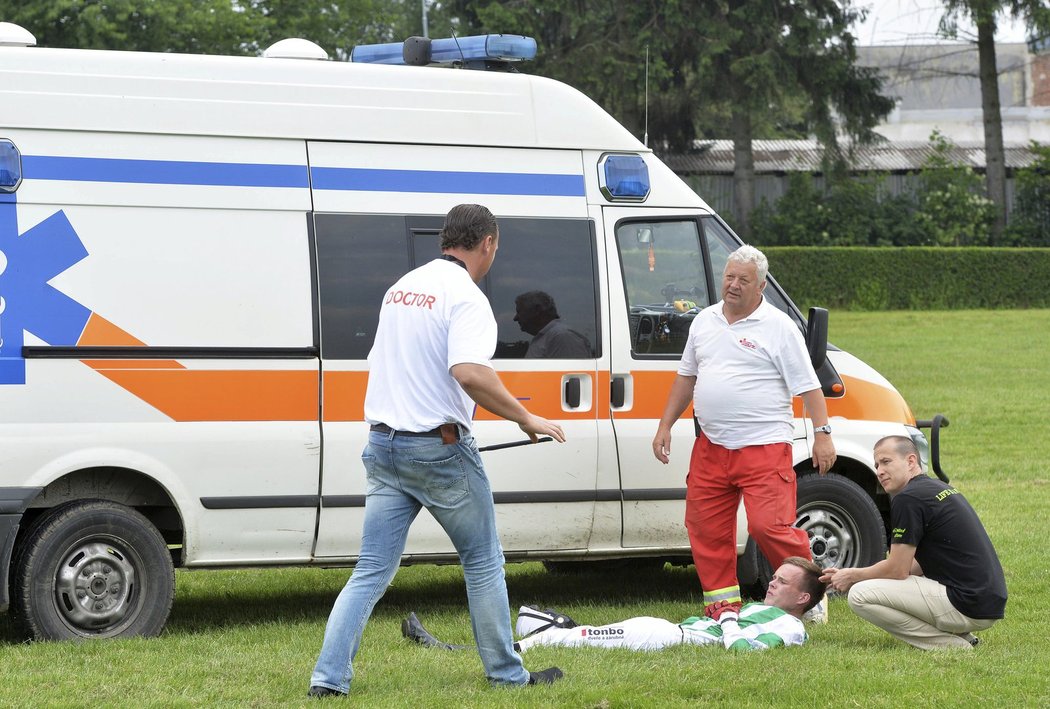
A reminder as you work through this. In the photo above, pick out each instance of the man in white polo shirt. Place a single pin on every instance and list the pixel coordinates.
(742, 363)
(428, 366)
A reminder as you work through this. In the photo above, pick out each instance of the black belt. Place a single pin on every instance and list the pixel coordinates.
(448, 432)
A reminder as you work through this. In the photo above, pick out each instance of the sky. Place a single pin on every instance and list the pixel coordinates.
(915, 22)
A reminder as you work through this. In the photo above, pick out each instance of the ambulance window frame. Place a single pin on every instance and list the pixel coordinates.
(705, 264)
(342, 242)
(560, 230)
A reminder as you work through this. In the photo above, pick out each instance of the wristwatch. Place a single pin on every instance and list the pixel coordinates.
(826, 428)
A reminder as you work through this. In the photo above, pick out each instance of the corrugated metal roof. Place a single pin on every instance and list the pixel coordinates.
(713, 157)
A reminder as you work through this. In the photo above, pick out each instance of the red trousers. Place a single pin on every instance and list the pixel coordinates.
(718, 477)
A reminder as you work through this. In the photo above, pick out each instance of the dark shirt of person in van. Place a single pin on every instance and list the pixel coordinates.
(537, 315)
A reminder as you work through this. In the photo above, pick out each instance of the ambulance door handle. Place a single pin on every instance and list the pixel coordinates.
(619, 392)
(572, 392)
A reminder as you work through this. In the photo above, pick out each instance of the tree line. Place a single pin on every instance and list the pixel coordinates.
(670, 71)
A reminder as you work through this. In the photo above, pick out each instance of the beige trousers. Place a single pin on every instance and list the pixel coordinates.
(915, 610)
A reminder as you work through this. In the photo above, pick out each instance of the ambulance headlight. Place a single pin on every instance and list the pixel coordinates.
(623, 178)
(10, 166)
(920, 441)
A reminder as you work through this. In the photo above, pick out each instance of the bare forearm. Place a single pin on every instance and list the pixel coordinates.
(816, 406)
(483, 385)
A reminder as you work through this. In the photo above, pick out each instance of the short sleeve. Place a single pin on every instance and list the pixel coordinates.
(792, 359)
(907, 520)
(688, 367)
(471, 333)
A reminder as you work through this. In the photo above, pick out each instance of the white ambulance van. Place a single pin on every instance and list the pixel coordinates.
(192, 254)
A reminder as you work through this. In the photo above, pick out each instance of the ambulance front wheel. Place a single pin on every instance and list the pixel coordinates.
(92, 569)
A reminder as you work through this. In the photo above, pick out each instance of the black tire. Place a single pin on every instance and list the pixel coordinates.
(845, 529)
(92, 569)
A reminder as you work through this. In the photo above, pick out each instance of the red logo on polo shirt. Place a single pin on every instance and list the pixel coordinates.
(748, 343)
(418, 300)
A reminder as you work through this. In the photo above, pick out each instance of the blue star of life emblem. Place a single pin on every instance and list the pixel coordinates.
(28, 302)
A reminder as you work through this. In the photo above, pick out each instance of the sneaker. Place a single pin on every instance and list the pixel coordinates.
(547, 676)
(970, 638)
(818, 613)
(319, 692)
(532, 620)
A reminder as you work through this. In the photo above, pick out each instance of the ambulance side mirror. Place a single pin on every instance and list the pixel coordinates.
(817, 336)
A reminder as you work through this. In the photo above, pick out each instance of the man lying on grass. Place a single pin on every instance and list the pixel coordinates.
(794, 589)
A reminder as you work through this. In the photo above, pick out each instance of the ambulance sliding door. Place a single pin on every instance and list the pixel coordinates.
(544, 494)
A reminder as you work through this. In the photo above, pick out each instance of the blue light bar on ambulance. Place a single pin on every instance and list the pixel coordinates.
(10, 166)
(479, 48)
(623, 178)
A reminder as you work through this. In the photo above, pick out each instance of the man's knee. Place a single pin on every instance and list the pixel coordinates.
(860, 596)
(857, 596)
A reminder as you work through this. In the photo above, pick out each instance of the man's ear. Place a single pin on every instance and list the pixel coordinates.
(803, 598)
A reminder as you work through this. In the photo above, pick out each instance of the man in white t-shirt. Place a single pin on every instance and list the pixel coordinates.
(428, 367)
(743, 362)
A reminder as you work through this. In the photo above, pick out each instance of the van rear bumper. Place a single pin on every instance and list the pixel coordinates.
(13, 501)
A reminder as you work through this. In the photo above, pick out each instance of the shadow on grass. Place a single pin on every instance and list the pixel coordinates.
(430, 589)
(206, 600)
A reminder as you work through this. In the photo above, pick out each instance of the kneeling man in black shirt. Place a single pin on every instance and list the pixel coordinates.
(942, 579)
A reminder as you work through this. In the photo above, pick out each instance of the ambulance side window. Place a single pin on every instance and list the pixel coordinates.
(665, 282)
(558, 258)
(358, 258)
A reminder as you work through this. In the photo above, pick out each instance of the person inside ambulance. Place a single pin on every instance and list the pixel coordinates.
(537, 315)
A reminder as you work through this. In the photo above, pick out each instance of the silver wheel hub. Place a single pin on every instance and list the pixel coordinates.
(832, 535)
(93, 586)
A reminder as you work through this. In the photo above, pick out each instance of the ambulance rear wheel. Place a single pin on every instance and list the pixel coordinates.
(844, 527)
(92, 569)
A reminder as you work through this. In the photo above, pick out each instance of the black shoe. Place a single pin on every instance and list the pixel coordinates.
(318, 692)
(412, 629)
(547, 676)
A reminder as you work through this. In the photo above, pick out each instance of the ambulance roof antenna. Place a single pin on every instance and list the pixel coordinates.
(461, 57)
(645, 135)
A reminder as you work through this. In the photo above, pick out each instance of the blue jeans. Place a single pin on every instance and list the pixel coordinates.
(405, 474)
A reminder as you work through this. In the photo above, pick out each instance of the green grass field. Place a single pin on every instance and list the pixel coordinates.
(249, 638)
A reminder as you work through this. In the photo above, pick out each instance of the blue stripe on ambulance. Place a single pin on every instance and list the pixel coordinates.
(446, 182)
(163, 172)
(218, 174)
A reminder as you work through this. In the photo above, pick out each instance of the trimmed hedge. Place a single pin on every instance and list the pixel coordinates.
(912, 278)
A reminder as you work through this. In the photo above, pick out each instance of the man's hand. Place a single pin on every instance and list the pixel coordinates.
(536, 427)
(841, 580)
(662, 444)
(823, 453)
(723, 611)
